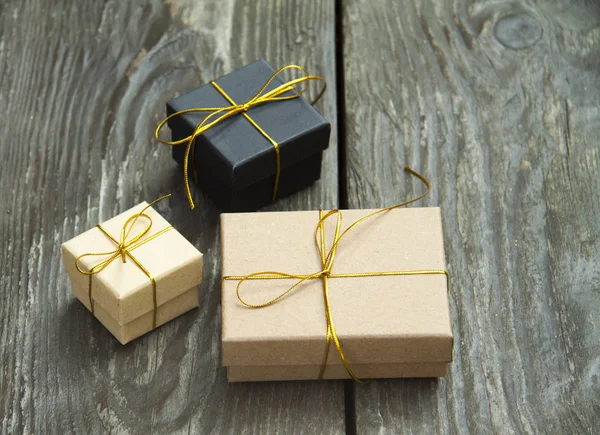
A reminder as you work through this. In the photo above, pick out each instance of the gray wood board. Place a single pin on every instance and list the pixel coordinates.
(83, 85)
(497, 104)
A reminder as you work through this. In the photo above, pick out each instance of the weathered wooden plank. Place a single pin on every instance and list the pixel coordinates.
(497, 103)
(83, 86)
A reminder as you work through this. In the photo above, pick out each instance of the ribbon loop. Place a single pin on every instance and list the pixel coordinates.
(123, 246)
(327, 258)
(216, 115)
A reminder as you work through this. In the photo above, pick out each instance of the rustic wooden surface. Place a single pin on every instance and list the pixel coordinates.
(83, 86)
(496, 102)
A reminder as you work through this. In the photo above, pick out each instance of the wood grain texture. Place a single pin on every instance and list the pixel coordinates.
(497, 103)
(83, 85)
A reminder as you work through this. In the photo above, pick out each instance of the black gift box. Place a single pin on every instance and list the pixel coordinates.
(234, 161)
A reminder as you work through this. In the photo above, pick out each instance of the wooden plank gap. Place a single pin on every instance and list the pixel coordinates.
(350, 407)
(341, 104)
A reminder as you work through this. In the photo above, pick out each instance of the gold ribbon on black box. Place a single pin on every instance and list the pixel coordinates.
(123, 250)
(217, 115)
(327, 258)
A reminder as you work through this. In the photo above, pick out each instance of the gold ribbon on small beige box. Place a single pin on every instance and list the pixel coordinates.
(124, 247)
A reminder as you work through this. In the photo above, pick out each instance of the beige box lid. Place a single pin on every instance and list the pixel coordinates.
(122, 289)
(389, 319)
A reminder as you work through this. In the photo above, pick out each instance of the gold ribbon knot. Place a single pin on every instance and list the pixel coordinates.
(217, 115)
(123, 250)
(327, 258)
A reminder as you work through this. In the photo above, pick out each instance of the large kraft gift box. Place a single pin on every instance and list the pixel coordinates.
(235, 163)
(388, 326)
(122, 295)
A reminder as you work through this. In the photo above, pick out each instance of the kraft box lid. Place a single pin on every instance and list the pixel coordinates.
(378, 319)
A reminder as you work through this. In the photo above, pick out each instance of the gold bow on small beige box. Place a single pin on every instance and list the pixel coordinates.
(134, 272)
(124, 249)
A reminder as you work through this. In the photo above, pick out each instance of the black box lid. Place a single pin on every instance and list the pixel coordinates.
(235, 150)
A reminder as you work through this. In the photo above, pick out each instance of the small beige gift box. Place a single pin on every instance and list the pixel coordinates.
(388, 326)
(134, 274)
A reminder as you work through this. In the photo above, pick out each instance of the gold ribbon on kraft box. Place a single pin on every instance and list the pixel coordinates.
(327, 258)
(219, 114)
(123, 250)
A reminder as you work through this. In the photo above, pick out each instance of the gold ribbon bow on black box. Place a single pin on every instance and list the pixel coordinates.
(273, 90)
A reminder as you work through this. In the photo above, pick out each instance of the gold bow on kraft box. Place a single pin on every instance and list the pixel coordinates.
(123, 250)
(219, 114)
(327, 258)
